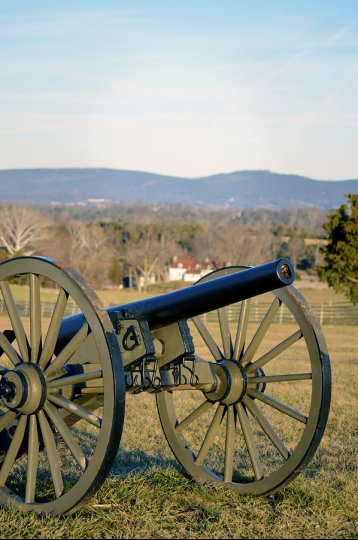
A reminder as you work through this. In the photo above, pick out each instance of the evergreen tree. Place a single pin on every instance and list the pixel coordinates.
(340, 266)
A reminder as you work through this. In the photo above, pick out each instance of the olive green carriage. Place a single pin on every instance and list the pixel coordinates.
(239, 404)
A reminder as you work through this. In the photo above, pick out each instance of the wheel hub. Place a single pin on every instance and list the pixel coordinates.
(24, 389)
(231, 383)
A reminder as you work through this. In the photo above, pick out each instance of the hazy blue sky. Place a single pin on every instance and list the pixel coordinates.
(180, 87)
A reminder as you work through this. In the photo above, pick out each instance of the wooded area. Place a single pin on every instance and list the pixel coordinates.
(106, 243)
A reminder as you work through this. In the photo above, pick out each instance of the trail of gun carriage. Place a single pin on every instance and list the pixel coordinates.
(236, 363)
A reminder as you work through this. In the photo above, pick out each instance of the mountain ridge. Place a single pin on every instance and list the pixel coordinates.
(236, 189)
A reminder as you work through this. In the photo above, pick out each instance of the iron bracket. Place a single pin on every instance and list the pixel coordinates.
(138, 351)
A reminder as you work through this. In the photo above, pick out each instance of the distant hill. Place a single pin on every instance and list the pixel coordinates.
(241, 189)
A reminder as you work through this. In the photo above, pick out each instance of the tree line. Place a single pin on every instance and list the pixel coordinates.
(107, 243)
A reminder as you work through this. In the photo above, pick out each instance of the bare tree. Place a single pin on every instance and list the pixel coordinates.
(295, 250)
(89, 251)
(142, 256)
(235, 245)
(21, 230)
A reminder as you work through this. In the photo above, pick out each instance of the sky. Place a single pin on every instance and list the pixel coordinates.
(184, 88)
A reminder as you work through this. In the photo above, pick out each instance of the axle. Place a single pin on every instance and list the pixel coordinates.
(169, 308)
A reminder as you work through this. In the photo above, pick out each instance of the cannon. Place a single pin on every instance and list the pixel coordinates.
(242, 399)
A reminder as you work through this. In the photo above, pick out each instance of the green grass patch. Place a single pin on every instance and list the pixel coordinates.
(162, 503)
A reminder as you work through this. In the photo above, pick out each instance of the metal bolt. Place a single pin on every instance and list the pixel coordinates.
(7, 390)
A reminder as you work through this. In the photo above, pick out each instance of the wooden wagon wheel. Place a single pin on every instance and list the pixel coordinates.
(62, 405)
(263, 422)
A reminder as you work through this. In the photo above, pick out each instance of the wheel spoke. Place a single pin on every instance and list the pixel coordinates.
(75, 379)
(225, 332)
(54, 328)
(6, 419)
(207, 337)
(229, 444)
(13, 450)
(15, 320)
(32, 460)
(75, 409)
(66, 435)
(35, 317)
(261, 331)
(67, 351)
(194, 415)
(250, 442)
(275, 351)
(242, 330)
(266, 427)
(52, 454)
(9, 350)
(210, 435)
(280, 378)
(272, 402)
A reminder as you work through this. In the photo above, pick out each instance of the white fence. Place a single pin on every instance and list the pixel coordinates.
(326, 313)
(23, 307)
(330, 313)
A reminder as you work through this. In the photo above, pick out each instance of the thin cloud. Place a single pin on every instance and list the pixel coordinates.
(342, 32)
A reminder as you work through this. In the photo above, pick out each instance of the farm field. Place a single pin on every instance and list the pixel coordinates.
(148, 496)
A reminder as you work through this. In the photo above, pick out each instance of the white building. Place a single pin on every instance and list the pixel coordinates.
(187, 269)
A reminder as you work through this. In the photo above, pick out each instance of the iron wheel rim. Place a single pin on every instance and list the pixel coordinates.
(109, 434)
(314, 427)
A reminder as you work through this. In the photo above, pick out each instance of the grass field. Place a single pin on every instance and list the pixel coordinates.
(148, 496)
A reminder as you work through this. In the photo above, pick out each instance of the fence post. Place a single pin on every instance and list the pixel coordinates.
(321, 315)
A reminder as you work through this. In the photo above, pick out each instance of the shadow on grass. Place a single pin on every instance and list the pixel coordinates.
(133, 462)
(137, 462)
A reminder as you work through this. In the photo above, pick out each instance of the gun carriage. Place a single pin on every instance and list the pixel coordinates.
(239, 405)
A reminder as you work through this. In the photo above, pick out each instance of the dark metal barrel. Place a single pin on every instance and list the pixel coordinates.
(172, 307)
(169, 308)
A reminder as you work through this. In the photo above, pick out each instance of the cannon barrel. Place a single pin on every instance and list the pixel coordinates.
(169, 308)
